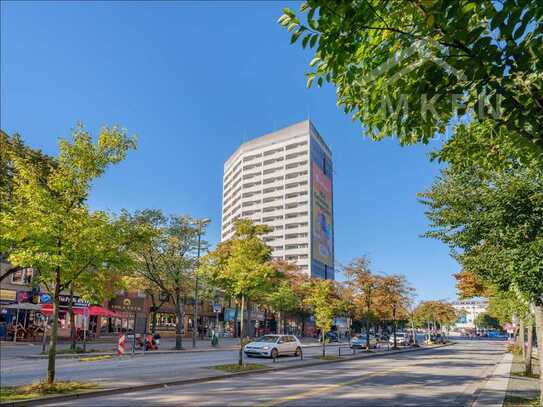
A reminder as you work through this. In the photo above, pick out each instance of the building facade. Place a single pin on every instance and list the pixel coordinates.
(469, 310)
(285, 180)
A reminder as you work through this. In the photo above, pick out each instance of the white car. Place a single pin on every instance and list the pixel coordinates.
(401, 339)
(273, 346)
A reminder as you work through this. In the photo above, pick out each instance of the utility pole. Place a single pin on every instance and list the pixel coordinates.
(201, 223)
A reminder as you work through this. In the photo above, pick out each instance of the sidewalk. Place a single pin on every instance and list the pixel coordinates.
(520, 388)
(29, 350)
(493, 392)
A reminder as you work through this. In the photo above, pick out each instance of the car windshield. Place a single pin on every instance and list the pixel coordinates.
(267, 338)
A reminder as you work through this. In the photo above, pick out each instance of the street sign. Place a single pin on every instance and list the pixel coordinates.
(217, 308)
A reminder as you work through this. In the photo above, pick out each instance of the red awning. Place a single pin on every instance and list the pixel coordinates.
(94, 310)
(47, 309)
(103, 312)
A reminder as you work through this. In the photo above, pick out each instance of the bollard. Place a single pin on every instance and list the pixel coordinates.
(121, 345)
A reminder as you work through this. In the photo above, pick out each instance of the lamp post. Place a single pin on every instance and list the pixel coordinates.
(200, 223)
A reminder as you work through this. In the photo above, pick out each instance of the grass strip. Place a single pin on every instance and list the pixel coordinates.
(37, 390)
(514, 401)
(95, 358)
(327, 357)
(236, 368)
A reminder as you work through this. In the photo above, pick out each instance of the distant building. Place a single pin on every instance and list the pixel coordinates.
(285, 180)
(470, 309)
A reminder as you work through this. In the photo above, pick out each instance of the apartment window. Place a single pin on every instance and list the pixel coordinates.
(23, 276)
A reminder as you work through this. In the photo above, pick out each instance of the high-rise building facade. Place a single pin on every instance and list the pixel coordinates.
(285, 180)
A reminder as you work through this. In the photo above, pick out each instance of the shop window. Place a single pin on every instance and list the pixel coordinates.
(23, 276)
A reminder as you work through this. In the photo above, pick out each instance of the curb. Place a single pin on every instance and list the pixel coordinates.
(152, 386)
(153, 352)
(492, 392)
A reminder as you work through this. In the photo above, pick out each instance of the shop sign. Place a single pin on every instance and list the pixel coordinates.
(125, 304)
(8, 295)
(46, 298)
(23, 296)
(77, 301)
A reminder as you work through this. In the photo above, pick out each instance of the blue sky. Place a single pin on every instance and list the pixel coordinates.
(193, 81)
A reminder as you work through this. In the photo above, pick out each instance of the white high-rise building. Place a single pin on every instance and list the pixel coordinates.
(285, 180)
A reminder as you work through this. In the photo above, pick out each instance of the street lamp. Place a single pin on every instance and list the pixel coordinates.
(200, 223)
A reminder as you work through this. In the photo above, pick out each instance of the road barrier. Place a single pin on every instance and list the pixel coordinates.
(121, 345)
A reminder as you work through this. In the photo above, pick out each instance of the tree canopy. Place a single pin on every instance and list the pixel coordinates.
(49, 227)
(410, 68)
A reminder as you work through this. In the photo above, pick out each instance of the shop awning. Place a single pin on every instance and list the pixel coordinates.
(94, 310)
(47, 309)
(102, 312)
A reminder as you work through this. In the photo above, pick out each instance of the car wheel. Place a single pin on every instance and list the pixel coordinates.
(274, 353)
(298, 351)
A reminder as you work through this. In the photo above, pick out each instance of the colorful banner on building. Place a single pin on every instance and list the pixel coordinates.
(322, 217)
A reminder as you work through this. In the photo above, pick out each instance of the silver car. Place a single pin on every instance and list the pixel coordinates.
(273, 346)
(359, 342)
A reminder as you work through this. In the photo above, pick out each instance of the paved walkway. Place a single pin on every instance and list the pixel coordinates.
(522, 387)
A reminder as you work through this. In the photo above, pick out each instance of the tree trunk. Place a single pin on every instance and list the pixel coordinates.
(323, 334)
(284, 315)
(538, 311)
(236, 331)
(522, 339)
(54, 332)
(529, 344)
(368, 331)
(240, 361)
(247, 331)
(179, 324)
(394, 326)
(73, 334)
(153, 323)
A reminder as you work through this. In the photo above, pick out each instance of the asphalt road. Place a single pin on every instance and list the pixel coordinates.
(131, 371)
(446, 376)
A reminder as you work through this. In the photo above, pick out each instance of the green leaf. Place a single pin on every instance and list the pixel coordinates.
(313, 40)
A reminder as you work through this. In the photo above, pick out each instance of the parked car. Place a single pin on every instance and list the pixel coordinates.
(273, 346)
(437, 338)
(360, 342)
(330, 337)
(401, 339)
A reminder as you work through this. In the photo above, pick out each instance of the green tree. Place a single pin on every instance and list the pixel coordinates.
(49, 227)
(283, 299)
(12, 148)
(486, 321)
(493, 222)
(435, 313)
(395, 65)
(167, 258)
(241, 267)
(324, 304)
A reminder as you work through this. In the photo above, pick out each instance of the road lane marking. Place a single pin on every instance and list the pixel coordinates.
(327, 388)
